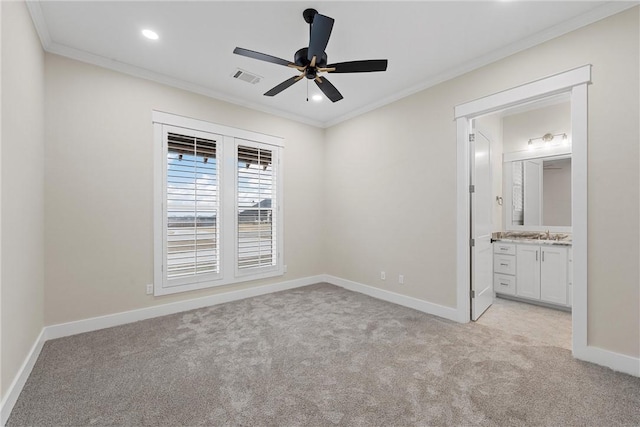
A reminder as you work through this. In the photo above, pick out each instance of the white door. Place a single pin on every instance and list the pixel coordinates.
(481, 227)
(532, 192)
(528, 271)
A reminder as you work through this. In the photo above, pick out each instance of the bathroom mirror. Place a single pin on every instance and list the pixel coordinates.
(538, 194)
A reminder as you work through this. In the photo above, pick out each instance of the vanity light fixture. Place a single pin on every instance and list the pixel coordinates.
(548, 137)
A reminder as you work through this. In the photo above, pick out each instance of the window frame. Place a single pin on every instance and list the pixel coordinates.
(227, 140)
(242, 273)
(177, 282)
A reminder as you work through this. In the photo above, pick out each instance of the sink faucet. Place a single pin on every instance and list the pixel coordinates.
(548, 235)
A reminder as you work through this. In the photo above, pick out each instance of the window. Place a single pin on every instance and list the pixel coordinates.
(191, 213)
(256, 246)
(217, 205)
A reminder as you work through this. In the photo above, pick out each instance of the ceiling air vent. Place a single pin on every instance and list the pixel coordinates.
(246, 76)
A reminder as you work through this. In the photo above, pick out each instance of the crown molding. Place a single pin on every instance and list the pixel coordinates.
(583, 20)
(143, 73)
(590, 17)
(39, 23)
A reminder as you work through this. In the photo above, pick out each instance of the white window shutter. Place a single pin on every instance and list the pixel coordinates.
(256, 208)
(192, 208)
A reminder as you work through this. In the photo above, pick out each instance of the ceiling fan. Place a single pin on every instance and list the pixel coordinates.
(312, 60)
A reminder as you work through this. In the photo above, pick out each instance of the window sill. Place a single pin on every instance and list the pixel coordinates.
(160, 290)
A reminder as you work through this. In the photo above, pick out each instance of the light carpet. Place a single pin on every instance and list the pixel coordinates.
(315, 356)
(546, 326)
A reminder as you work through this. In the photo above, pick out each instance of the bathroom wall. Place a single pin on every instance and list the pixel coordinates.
(519, 127)
(556, 206)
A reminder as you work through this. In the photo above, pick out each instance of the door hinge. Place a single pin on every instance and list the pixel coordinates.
(473, 293)
(472, 242)
(472, 137)
(472, 188)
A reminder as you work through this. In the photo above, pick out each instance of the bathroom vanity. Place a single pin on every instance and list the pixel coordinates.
(532, 258)
(533, 270)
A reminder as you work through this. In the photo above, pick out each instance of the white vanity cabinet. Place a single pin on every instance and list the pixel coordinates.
(528, 271)
(553, 274)
(534, 271)
(504, 268)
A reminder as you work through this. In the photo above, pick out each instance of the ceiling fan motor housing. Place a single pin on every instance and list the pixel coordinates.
(300, 58)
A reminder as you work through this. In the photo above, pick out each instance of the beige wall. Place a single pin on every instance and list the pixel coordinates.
(519, 128)
(22, 189)
(99, 188)
(556, 200)
(391, 174)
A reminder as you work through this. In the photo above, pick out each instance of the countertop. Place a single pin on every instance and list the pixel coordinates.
(555, 239)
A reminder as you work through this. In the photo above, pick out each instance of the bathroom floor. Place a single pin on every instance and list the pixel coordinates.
(545, 325)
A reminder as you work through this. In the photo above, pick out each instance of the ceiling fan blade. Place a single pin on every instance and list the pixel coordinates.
(262, 57)
(282, 86)
(328, 89)
(366, 66)
(320, 32)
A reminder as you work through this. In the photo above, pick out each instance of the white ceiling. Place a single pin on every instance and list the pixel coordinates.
(425, 43)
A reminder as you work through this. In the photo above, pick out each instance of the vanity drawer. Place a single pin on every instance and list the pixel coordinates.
(504, 248)
(505, 264)
(504, 284)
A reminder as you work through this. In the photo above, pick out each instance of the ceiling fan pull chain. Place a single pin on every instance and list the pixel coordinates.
(307, 90)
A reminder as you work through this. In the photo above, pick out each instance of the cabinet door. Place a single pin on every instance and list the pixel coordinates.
(528, 271)
(553, 275)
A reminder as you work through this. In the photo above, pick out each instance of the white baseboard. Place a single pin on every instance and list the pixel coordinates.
(404, 300)
(101, 322)
(616, 361)
(10, 399)
(116, 319)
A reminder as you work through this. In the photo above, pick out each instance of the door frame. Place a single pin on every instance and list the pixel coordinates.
(573, 82)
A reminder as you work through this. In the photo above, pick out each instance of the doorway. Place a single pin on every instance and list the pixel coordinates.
(524, 206)
(574, 84)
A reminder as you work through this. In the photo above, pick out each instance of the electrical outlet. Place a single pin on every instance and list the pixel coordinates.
(150, 289)
(401, 279)
(285, 268)
(383, 276)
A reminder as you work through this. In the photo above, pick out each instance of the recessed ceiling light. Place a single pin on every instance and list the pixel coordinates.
(317, 97)
(151, 35)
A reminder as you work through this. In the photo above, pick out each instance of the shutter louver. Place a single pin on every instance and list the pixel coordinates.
(256, 208)
(191, 207)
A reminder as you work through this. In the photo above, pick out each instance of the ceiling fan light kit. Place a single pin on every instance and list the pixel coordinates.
(312, 60)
